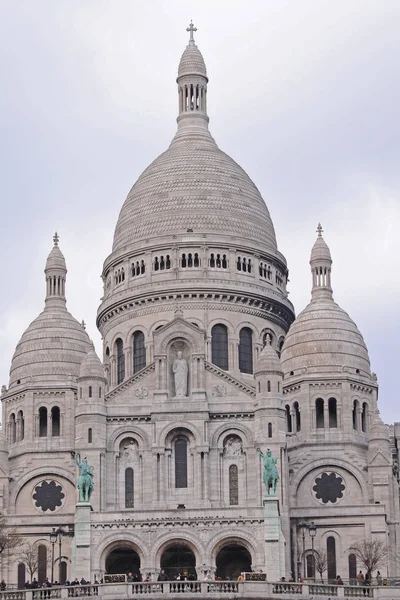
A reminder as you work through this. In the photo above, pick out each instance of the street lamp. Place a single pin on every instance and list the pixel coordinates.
(303, 528)
(312, 530)
(53, 539)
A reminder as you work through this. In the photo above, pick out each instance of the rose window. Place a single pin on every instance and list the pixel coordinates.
(48, 495)
(328, 487)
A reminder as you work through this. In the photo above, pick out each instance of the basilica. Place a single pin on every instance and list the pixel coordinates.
(205, 371)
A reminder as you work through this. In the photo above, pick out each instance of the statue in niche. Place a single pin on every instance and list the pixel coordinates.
(233, 447)
(180, 371)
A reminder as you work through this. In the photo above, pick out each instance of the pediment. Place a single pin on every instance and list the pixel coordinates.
(179, 329)
(379, 460)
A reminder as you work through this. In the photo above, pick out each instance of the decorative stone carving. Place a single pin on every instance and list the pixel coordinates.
(129, 450)
(180, 371)
(219, 390)
(141, 393)
(233, 447)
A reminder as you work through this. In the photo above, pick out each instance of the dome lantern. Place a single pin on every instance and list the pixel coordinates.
(56, 273)
(321, 265)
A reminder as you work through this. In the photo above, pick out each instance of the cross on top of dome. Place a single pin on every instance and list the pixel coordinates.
(191, 29)
(56, 238)
(319, 230)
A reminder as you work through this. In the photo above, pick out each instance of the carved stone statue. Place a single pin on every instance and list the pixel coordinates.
(85, 480)
(270, 475)
(180, 371)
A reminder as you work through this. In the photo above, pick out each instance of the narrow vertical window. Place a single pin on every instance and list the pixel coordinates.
(364, 417)
(246, 350)
(270, 430)
(233, 485)
(353, 569)
(55, 421)
(355, 411)
(90, 435)
(331, 557)
(219, 346)
(90, 391)
(332, 410)
(42, 563)
(319, 413)
(13, 429)
(129, 497)
(139, 351)
(120, 360)
(21, 425)
(288, 419)
(268, 386)
(181, 463)
(297, 416)
(42, 421)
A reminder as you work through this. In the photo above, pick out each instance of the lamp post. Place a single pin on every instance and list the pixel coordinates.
(303, 528)
(59, 533)
(53, 539)
(312, 530)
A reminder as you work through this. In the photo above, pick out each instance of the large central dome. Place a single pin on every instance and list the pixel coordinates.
(194, 185)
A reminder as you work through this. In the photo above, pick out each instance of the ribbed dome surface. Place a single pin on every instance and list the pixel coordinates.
(51, 349)
(194, 185)
(324, 339)
(192, 62)
(320, 251)
(91, 366)
(56, 259)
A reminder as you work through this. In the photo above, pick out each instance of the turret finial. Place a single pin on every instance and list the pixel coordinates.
(56, 238)
(319, 230)
(191, 29)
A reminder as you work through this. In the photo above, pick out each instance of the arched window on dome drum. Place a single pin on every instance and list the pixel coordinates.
(55, 421)
(246, 350)
(168, 262)
(183, 261)
(13, 435)
(212, 261)
(42, 563)
(180, 448)
(156, 264)
(196, 261)
(233, 485)
(162, 263)
(218, 261)
(21, 422)
(319, 413)
(137, 268)
(249, 265)
(268, 386)
(270, 430)
(331, 557)
(288, 419)
(90, 435)
(239, 264)
(219, 346)
(99, 391)
(297, 416)
(139, 351)
(129, 488)
(355, 415)
(332, 410)
(143, 267)
(364, 413)
(190, 260)
(42, 421)
(224, 262)
(353, 569)
(119, 345)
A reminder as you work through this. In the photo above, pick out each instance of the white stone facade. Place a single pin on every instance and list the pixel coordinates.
(195, 270)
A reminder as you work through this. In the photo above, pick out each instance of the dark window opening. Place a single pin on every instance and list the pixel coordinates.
(331, 557)
(196, 260)
(233, 485)
(129, 489)
(90, 435)
(181, 479)
(246, 350)
(288, 419)
(43, 421)
(55, 421)
(319, 413)
(364, 417)
(156, 264)
(90, 391)
(219, 346)
(183, 262)
(270, 430)
(42, 563)
(139, 351)
(297, 416)
(355, 412)
(120, 361)
(212, 261)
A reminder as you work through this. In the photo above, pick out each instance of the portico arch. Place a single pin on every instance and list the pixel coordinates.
(178, 555)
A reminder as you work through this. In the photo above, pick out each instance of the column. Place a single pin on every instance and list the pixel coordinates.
(113, 364)
(326, 414)
(128, 362)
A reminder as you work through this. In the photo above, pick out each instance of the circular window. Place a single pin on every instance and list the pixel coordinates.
(328, 487)
(48, 495)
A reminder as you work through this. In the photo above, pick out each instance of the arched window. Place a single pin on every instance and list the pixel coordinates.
(181, 478)
(224, 262)
(331, 558)
(364, 417)
(319, 413)
(55, 421)
(310, 562)
(249, 266)
(288, 419)
(239, 263)
(63, 572)
(21, 576)
(270, 430)
(246, 350)
(212, 261)
(353, 569)
(196, 260)
(90, 435)
(162, 263)
(190, 260)
(168, 262)
(90, 391)
(332, 409)
(42, 421)
(119, 344)
(139, 351)
(129, 496)
(268, 386)
(218, 261)
(297, 416)
(219, 346)
(42, 563)
(100, 391)
(183, 261)
(156, 264)
(233, 485)
(355, 415)
(142, 267)
(21, 425)
(13, 428)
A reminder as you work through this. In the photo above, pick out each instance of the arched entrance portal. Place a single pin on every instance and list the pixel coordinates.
(178, 559)
(232, 560)
(123, 560)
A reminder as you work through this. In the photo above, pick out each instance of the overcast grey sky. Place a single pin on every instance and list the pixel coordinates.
(304, 95)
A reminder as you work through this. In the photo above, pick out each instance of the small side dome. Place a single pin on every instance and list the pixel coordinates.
(91, 366)
(268, 361)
